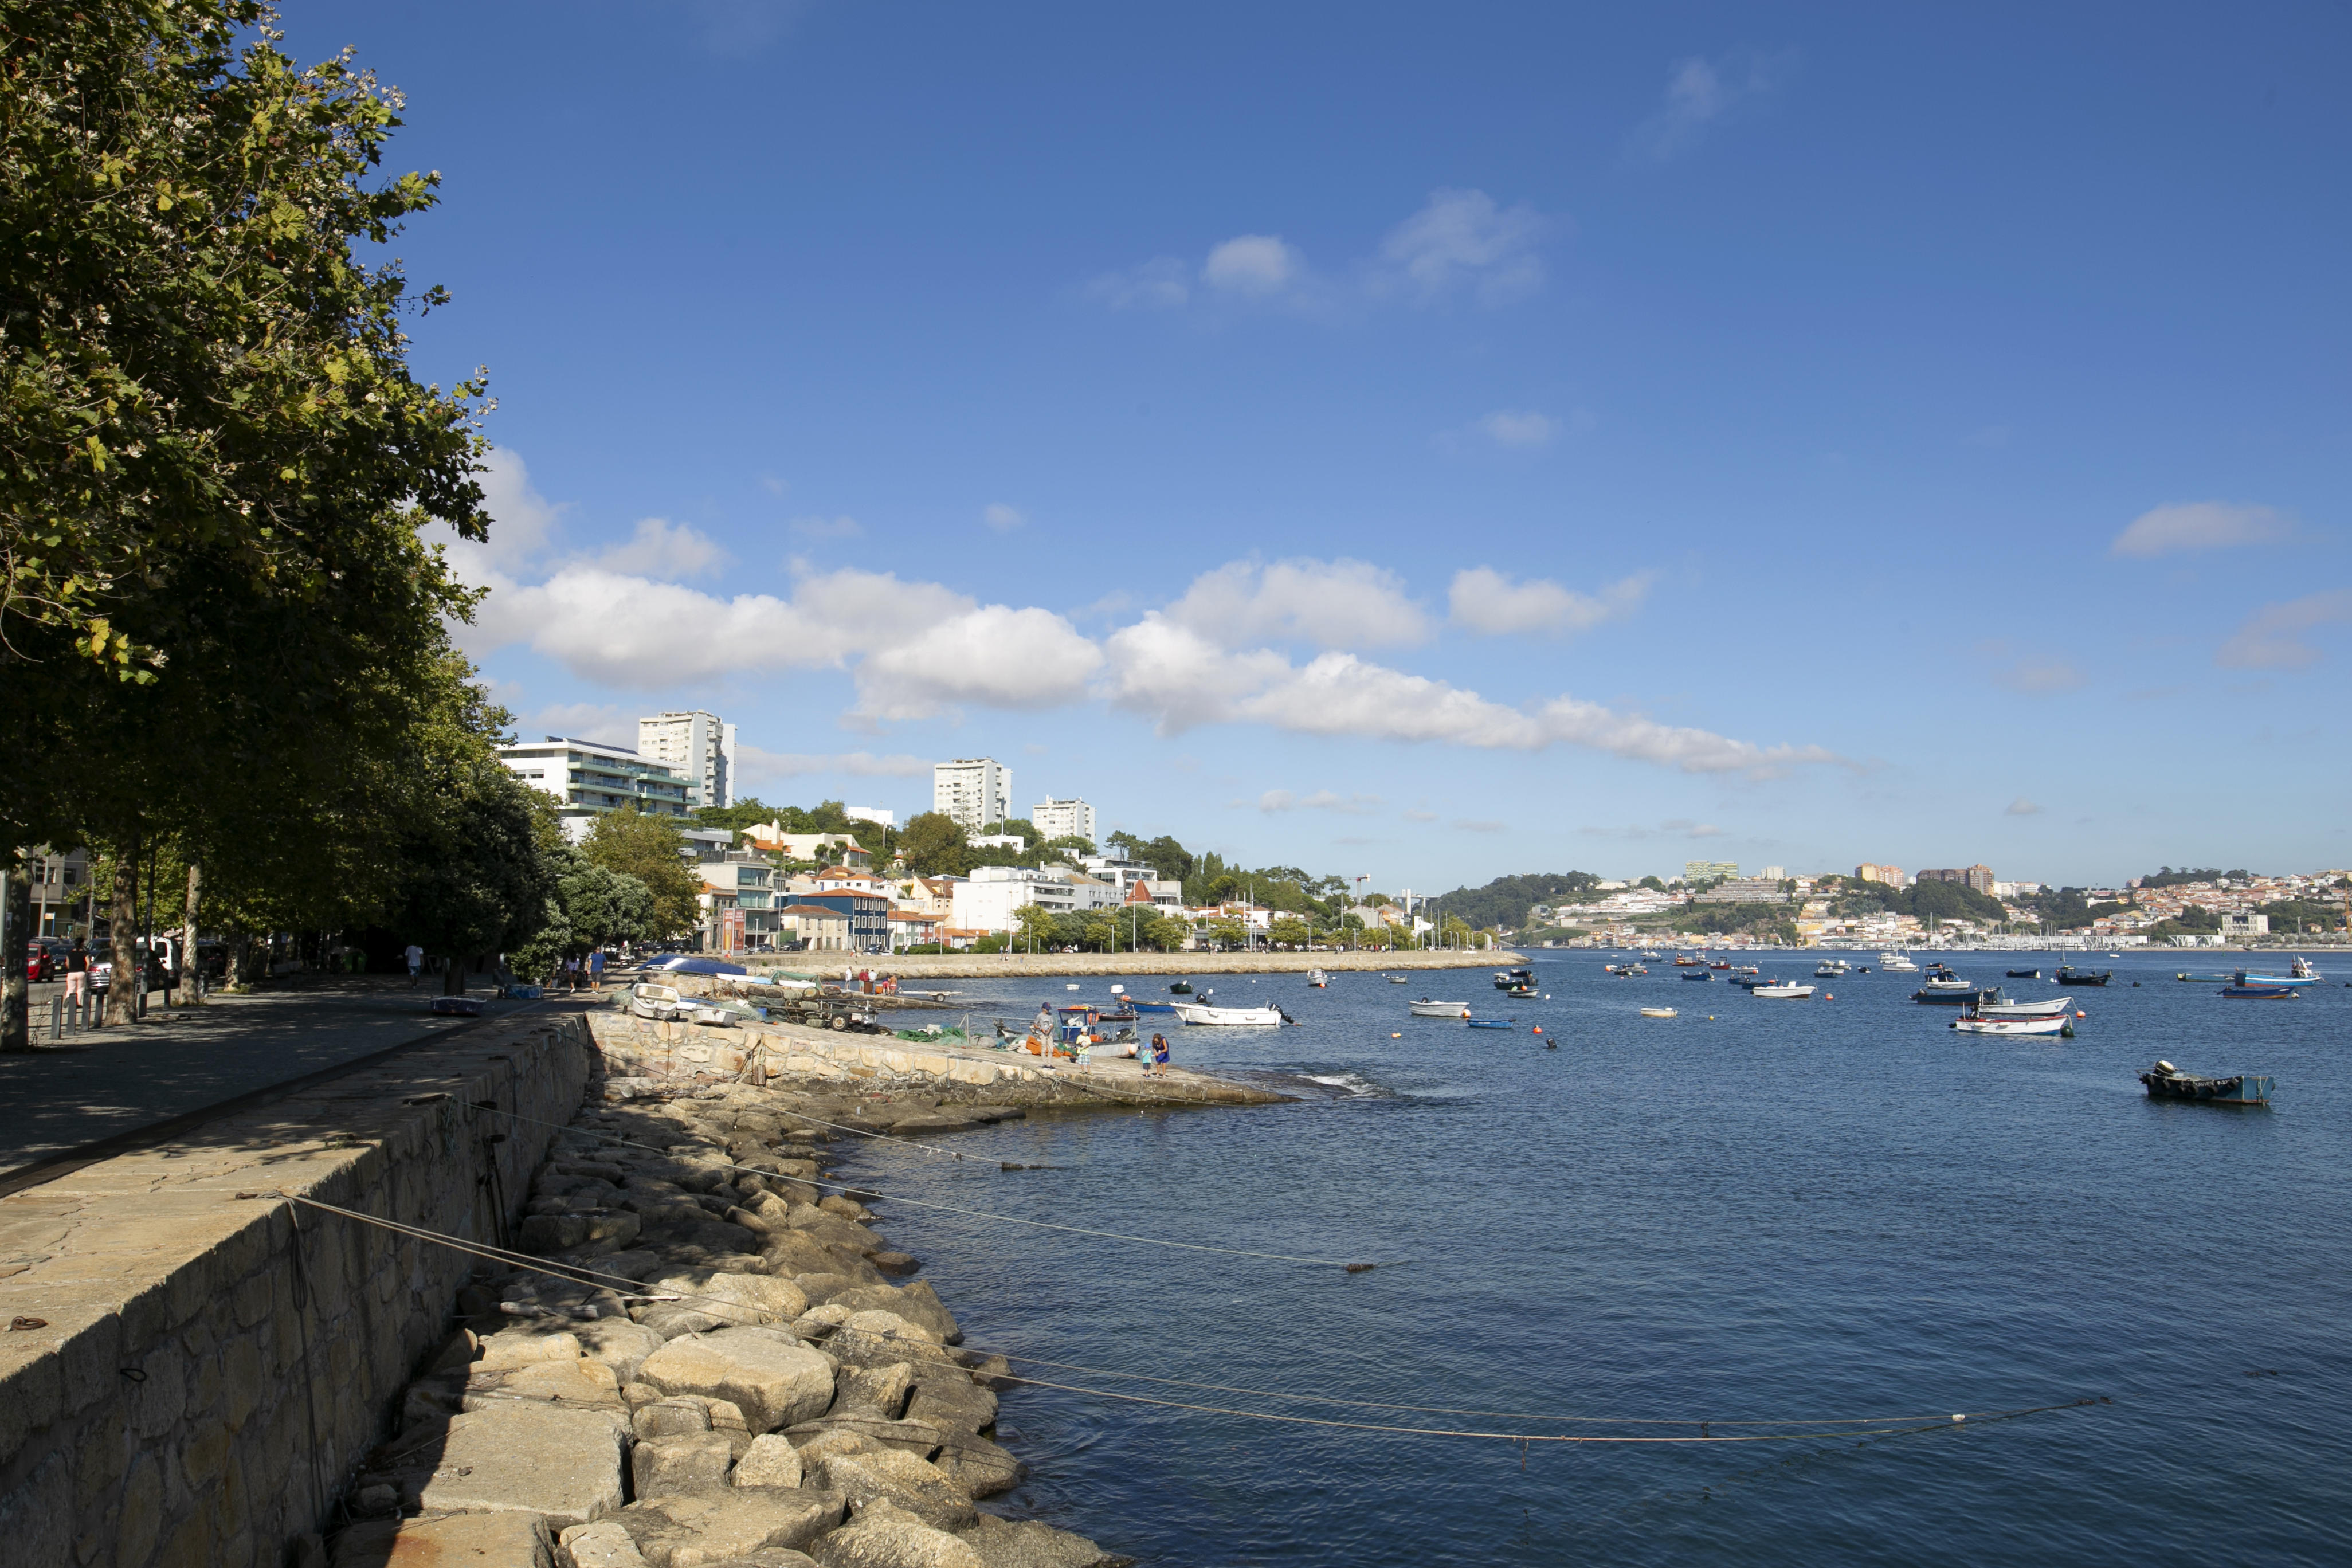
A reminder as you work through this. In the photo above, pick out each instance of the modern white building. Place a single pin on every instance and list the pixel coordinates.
(873, 814)
(986, 901)
(1064, 819)
(1773, 873)
(699, 745)
(974, 791)
(1697, 871)
(589, 778)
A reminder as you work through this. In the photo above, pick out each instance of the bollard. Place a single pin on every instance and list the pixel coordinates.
(57, 1018)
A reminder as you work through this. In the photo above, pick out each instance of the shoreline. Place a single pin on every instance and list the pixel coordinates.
(1014, 966)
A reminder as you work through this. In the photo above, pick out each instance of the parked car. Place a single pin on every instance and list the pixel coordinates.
(44, 959)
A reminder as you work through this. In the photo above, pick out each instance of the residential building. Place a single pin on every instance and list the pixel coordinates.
(986, 901)
(1892, 875)
(928, 895)
(1977, 876)
(1745, 890)
(1697, 871)
(771, 838)
(815, 927)
(996, 841)
(741, 884)
(911, 928)
(868, 914)
(2244, 925)
(1774, 873)
(589, 778)
(873, 814)
(1064, 819)
(2015, 889)
(974, 791)
(698, 744)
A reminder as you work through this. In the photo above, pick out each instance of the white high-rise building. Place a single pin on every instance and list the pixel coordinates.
(974, 791)
(699, 745)
(1064, 819)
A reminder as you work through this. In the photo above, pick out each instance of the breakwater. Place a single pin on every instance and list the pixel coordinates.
(1013, 965)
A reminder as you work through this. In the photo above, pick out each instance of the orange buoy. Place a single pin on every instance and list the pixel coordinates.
(2081, 1014)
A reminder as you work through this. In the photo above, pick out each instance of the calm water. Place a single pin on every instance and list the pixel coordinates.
(1788, 1210)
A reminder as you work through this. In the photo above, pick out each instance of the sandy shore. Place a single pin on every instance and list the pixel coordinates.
(996, 966)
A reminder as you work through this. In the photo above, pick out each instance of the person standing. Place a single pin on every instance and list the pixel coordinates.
(416, 962)
(596, 969)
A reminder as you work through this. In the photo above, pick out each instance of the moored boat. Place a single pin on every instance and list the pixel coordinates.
(1507, 978)
(1696, 974)
(2203, 979)
(2166, 1081)
(1426, 1008)
(2262, 993)
(1490, 1023)
(1777, 989)
(1230, 1018)
(2049, 1007)
(1181, 988)
(1972, 1022)
(2024, 975)
(1830, 968)
(1946, 988)
(1317, 978)
(1719, 963)
(2069, 975)
(1658, 1012)
(1684, 960)
(1898, 963)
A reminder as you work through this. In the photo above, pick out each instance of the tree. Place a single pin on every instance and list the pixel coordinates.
(477, 879)
(1167, 933)
(649, 849)
(934, 844)
(594, 906)
(1290, 931)
(1032, 926)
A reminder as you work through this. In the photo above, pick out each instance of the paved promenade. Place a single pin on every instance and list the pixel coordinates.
(103, 1082)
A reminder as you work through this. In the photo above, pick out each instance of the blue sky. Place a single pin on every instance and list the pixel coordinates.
(1429, 442)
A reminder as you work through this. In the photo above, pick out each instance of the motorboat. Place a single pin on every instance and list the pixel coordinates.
(1697, 974)
(2069, 975)
(2249, 977)
(1750, 981)
(1649, 952)
(2049, 1007)
(1747, 969)
(1399, 980)
(2164, 1081)
(1896, 963)
(1181, 988)
(1490, 1023)
(1830, 968)
(1944, 987)
(2023, 974)
(1781, 989)
(2262, 993)
(1317, 979)
(1974, 1022)
(1267, 1017)
(1684, 960)
(2301, 969)
(1720, 964)
(1505, 979)
(2203, 979)
(1425, 1008)
(1658, 1012)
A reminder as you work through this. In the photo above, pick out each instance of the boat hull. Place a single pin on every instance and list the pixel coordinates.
(2261, 992)
(1971, 996)
(1975, 1025)
(1439, 1009)
(1230, 1017)
(1490, 1023)
(2025, 974)
(2074, 977)
(2246, 1089)
(1781, 992)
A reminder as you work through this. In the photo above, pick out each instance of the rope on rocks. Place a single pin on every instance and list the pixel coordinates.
(860, 1190)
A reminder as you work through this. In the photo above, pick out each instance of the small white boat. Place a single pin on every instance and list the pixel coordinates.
(2055, 1007)
(1797, 991)
(1830, 968)
(1425, 1008)
(1899, 963)
(1658, 1012)
(656, 1001)
(1399, 980)
(1230, 1018)
(1316, 977)
(1972, 1023)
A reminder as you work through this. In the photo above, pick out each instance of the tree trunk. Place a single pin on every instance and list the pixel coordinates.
(16, 927)
(453, 975)
(190, 974)
(233, 975)
(122, 938)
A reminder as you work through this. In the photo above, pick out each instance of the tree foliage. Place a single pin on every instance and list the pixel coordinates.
(649, 849)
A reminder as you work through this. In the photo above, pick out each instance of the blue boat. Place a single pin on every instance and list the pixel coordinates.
(1696, 974)
(1153, 1006)
(2262, 993)
(1490, 1023)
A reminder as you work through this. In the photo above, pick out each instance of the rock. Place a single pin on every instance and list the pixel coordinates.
(507, 1540)
(633, 1264)
(709, 1528)
(668, 1320)
(981, 1468)
(885, 1536)
(634, 1394)
(671, 1418)
(918, 1303)
(764, 1297)
(570, 1382)
(895, 1262)
(883, 1321)
(792, 1253)
(873, 1391)
(516, 1456)
(547, 1233)
(697, 1462)
(820, 1288)
(832, 1230)
(849, 1209)
(603, 1544)
(827, 1442)
(861, 1347)
(1025, 1543)
(527, 1341)
(952, 1404)
(916, 1484)
(776, 1382)
(619, 1344)
(907, 1437)
(772, 1461)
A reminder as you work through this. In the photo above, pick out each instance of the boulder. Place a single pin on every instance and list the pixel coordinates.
(603, 1544)
(951, 1403)
(825, 1443)
(668, 1320)
(508, 1539)
(760, 1298)
(534, 1339)
(548, 1233)
(873, 1391)
(520, 1457)
(847, 1208)
(885, 1536)
(918, 1303)
(619, 1344)
(831, 1230)
(907, 1437)
(792, 1253)
(709, 1528)
(631, 1264)
(981, 1468)
(576, 1384)
(822, 1288)
(695, 1462)
(916, 1484)
(671, 1418)
(774, 1380)
(898, 1263)
(1025, 1543)
(772, 1461)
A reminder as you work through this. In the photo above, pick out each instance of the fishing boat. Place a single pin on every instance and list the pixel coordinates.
(2049, 1007)
(1896, 963)
(1719, 963)
(2262, 993)
(1696, 974)
(1942, 986)
(1267, 1017)
(2204, 979)
(1153, 1006)
(1181, 988)
(1425, 1008)
(1624, 971)
(1684, 960)
(1830, 968)
(1490, 1023)
(2069, 975)
(2249, 977)
(1779, 989)
(1750, 981)
(2024, 975)
(1658, 1012)
(1399, 980)
(1747, 969)
(1971, 1022)
(1317, 979)
(2166, 1081)
(1083, 1027)
(1507, 978)
(2301, 969)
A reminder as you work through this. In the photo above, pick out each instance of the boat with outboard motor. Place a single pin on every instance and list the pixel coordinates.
(2048, 1007)
(2069, 975)
(1946, 988)
(1265, 1017)
(2166, 1081)
(2024, 975)
(1317, 979)
(1971, 1022)
(1427, 1008)
(1896, 963)
(1779, 989)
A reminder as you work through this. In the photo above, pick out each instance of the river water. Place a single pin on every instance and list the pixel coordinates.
(1758, 1211)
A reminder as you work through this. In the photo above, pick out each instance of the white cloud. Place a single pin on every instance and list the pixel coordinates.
(522, 522)
(1180, 679)
(1485, 601)
(992, 655)
(843, 527)
(2271, 637)
(1331, 603)
(2021, 806)
(1700, 93)
(1319, 800)
(1253, 264)
(2200, 525)
(754, 765)
(1002, 517)
(1518, 428)
(1460, 238)
(583, 721)
(1157, 285)
(661, 548)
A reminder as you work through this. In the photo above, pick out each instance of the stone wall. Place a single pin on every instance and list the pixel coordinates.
(190, 1375)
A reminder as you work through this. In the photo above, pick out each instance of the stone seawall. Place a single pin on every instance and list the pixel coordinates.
(191, 1378)
(1017, 965)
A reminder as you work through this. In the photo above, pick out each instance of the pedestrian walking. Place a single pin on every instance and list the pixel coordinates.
(416, 962)
(596, 969)
(77, 972)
